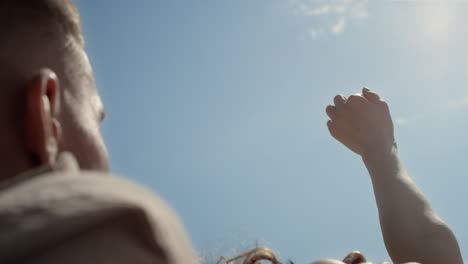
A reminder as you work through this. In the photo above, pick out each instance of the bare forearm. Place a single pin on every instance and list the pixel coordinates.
(411, 229)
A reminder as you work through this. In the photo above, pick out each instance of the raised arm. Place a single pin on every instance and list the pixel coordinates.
(411, 229)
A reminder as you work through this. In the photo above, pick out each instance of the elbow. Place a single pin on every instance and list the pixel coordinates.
(433, 245)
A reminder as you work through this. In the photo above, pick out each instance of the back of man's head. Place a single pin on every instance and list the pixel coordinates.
(33, 30)
(54, 18)
(42, 44)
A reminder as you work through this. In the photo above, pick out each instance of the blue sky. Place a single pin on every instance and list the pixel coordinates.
(218, 106)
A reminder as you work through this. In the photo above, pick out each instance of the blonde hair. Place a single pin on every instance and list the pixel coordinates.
(51, 18)
(37, 34)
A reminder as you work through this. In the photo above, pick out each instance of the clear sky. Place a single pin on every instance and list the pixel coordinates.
(218, 106)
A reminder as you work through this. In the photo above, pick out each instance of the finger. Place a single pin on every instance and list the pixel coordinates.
(331, 111)
(366, 89)
(370, 95)
(339, 102)
(354, 257)
(331, 127)
(357, 99)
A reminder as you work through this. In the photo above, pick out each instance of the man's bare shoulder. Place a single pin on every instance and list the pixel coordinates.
(69, 193)
(58, 206)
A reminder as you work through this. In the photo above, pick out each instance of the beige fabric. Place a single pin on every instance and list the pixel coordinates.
(71, 216)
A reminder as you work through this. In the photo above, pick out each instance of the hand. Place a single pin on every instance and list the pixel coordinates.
(361, 122)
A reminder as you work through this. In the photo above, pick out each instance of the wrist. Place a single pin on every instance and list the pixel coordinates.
(383, 164)
(379, 151)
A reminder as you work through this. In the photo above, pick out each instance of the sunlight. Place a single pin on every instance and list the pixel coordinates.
(466, 96)
(466, 78)
(435, 20)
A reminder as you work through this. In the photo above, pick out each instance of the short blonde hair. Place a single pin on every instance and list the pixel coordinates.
(51, 17)
(37, 34)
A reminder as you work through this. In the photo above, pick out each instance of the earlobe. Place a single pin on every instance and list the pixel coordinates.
(42, 128)
(53, 140)
(57, 129)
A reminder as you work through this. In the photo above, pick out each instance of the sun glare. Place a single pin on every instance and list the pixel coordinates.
(435, 19)
(466, 79)
(466, 95)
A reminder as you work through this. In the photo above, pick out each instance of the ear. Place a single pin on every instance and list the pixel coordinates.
(42, 128)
